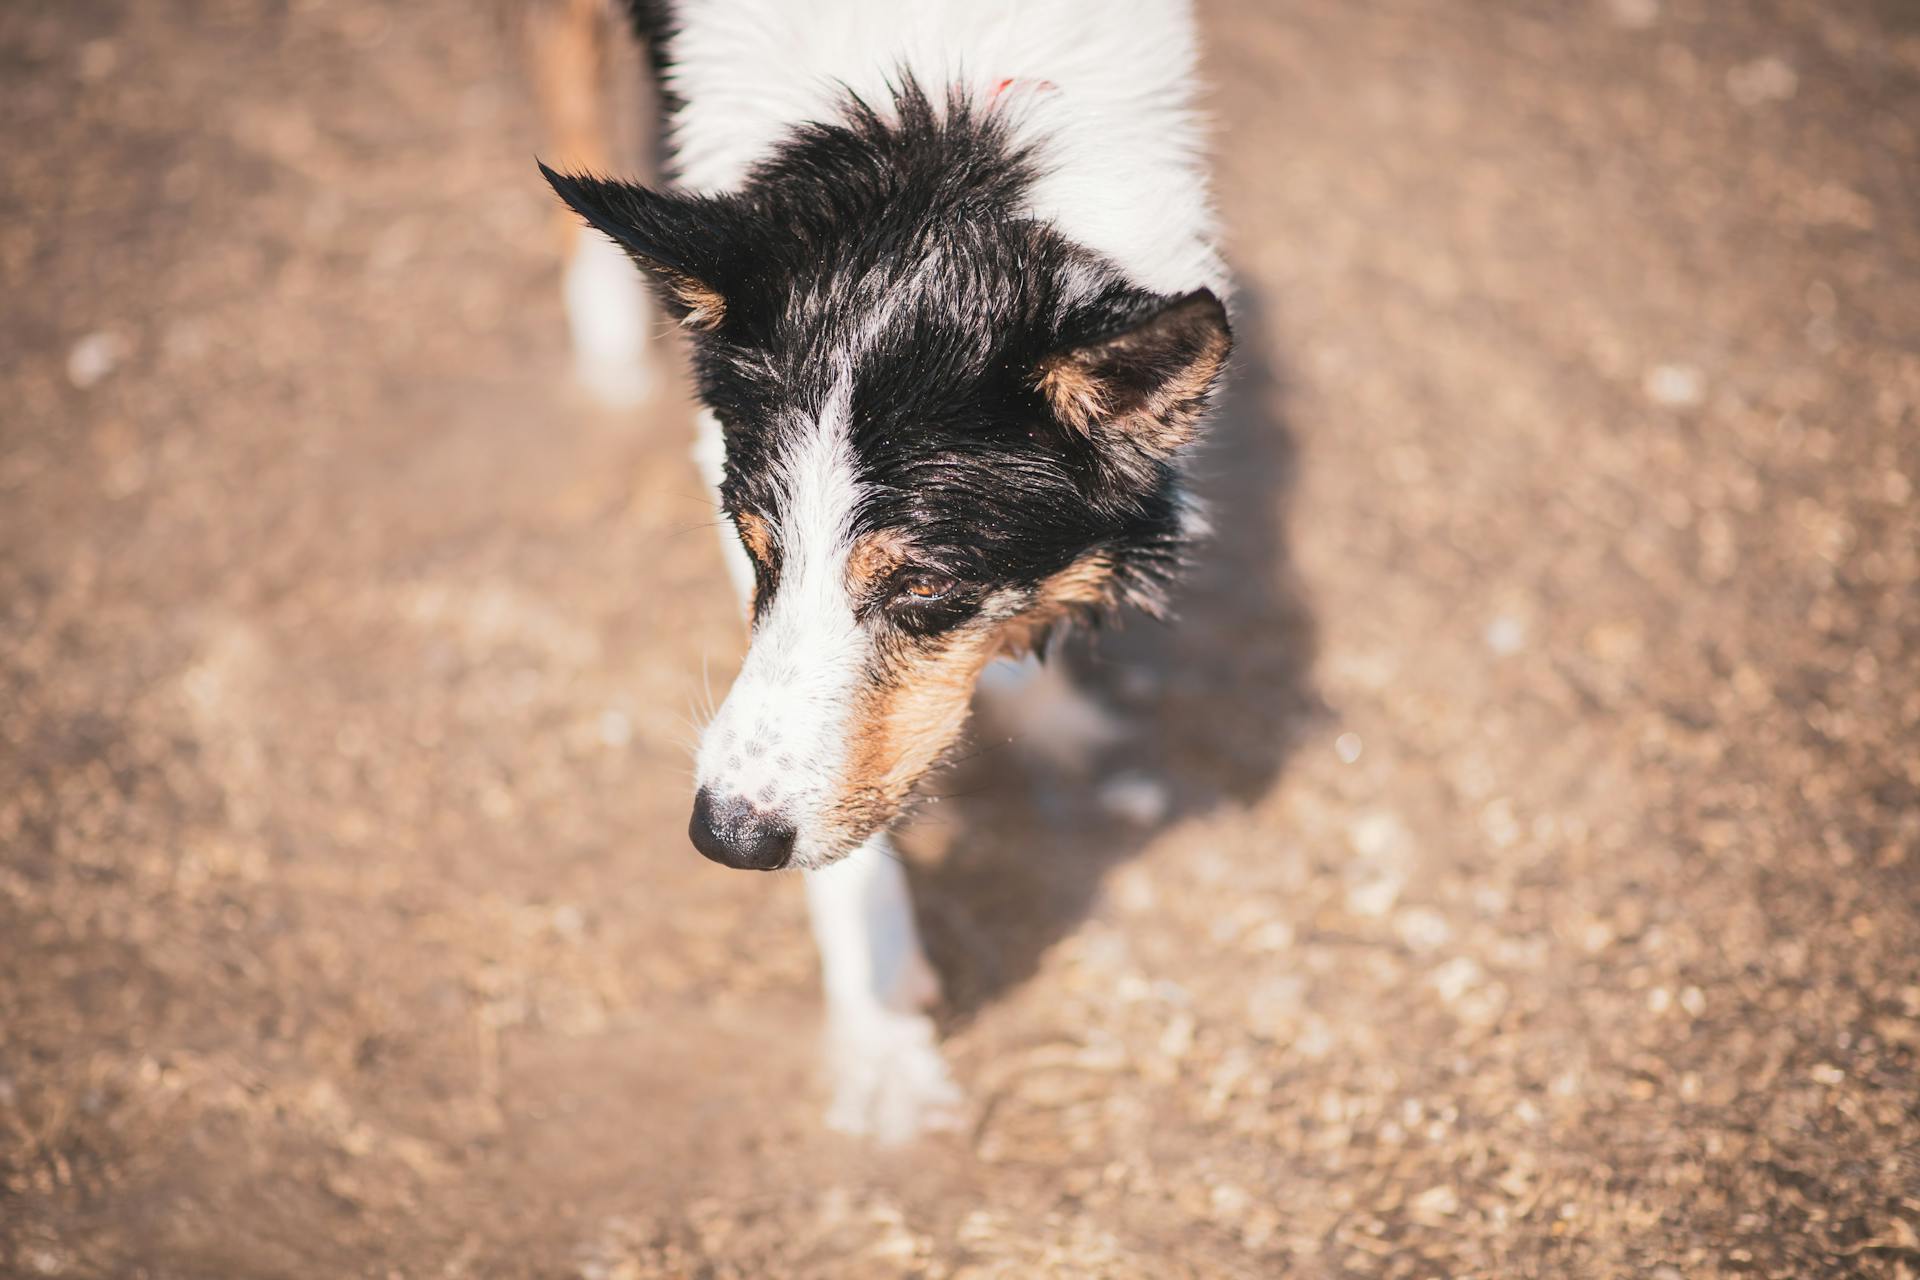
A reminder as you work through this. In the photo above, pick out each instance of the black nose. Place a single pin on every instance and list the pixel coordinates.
(735, 834)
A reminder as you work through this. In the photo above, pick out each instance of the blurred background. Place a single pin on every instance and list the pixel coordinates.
(1536, 890)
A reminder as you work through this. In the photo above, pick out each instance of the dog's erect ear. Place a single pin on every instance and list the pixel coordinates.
(677, 240)
(1143, 387)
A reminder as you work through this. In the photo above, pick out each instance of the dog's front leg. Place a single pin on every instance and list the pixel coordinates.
(889, 1080)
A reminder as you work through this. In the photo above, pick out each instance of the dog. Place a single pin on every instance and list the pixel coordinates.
(949, 278)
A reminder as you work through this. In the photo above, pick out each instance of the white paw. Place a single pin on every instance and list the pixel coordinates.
(889, 1081)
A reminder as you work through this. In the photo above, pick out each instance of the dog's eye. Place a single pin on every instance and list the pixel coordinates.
(923, 588)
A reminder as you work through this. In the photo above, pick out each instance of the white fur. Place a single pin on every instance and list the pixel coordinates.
(1102, 88)
(779, 739)
(607, 314)
(889, 1080)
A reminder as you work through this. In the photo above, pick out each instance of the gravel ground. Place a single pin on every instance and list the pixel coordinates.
(1540, 890)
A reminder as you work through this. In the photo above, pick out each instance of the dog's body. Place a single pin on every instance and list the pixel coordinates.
(950, 276)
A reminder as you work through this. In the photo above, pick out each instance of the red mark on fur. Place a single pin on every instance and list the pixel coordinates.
(1001, 89)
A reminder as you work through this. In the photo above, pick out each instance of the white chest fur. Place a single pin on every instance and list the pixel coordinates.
(1102, 89)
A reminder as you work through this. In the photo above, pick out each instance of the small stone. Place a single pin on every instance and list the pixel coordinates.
(1506, 636)
(95, 356)
(1348, 747)
(1176, 1039)
(1376, 877)
(1455, 978)
(1675, 386)
(1373, 896)
(1230, 1202)
(1436, 1204)
(1422, 929)
(1274, 1007)
(1380, 836)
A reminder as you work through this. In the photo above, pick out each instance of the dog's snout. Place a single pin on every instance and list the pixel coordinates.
(735, 834)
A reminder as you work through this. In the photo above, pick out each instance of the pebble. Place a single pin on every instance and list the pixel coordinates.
(1422, 929)
(1456, 977)
(95, 356)
(1373, 895)
(1506, 636)
(1675, 386)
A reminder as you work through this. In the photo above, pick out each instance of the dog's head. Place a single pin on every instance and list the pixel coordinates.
(947, 429)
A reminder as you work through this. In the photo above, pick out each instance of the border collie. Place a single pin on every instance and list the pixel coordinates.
(949, 279)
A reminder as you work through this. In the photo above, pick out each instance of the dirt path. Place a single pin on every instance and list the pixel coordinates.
(1541, 895)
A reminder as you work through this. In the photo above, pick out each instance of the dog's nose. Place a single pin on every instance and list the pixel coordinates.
(735, 834)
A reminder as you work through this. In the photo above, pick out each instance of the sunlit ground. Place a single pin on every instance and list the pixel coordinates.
(1539, 887)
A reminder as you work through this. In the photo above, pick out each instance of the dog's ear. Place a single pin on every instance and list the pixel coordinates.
(678, 241)
(1142, 388)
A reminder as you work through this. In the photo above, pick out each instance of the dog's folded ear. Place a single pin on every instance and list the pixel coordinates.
(1142, 388)
(676, 240)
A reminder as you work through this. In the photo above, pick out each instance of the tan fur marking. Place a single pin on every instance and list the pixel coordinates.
(873, 557)
(705, 307)
(1071, 388)
(756, 535)
(1077, 590)
(1168, 420)
(1082, 583)
(903, 725)
(1071, 382)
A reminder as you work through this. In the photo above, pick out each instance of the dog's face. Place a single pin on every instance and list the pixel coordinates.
(947, 430)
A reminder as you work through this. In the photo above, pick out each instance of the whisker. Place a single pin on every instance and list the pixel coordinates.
(978, 753)
(684, 530)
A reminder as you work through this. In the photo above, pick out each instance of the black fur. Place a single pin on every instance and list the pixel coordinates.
(911, 222)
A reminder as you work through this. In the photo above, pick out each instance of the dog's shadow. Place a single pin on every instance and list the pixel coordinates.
(1213, 704)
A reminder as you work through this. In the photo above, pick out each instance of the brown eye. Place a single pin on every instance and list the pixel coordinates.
(924, 588)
